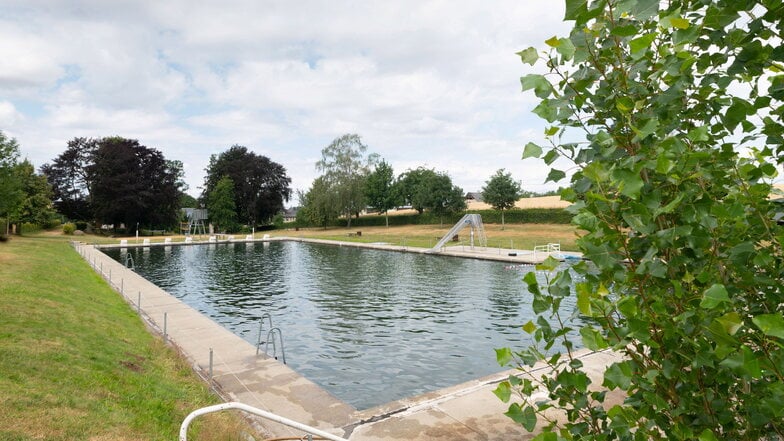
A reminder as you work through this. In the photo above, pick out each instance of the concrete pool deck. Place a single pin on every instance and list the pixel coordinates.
(469, 411)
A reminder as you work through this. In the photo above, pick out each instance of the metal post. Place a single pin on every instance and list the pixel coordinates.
(101, 267)
(210, 364)
(110, 276)
(122, 287)
(165, 331)
(139, 304)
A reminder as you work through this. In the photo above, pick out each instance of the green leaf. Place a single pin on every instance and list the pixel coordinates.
(618, 375)
(731, 322)
(584, 298)
(707, 435)
(546, 436)
(551, 131)
(529, 56)
(525, 416)
(542, 88)
(549, 264)
(640, 45)
(770, 324)
(532, 150)
(680, 23)
(553, 42)
(503, 356)
(503, 391)
(714, 296)
(645, 9)
(698, 134)
(565, 48)
(630, 182)
(555, 175)
(593, 339)
(575, 8)
(624, 31)
(529, 327)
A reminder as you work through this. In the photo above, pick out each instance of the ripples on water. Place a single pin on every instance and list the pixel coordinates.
(370, 326)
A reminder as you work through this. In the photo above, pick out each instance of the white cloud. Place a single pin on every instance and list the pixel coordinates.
(424, 82)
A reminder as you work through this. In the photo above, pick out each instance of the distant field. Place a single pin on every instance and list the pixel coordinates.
(539, 202)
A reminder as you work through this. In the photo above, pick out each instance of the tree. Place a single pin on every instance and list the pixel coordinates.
(35, 206)
(502, 192)
(11, 194)
(69, 179)
(687, 262)
(131, 184)
(220, 204)
(345, 168)
(317, 205)
(440, 196)
(260, 185)
(380, 189)
(412, 187)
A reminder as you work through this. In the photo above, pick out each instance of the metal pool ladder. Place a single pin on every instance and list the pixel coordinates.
(129, 262)
(271, 334)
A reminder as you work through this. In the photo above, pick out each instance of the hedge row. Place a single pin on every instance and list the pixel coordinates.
(516, 216)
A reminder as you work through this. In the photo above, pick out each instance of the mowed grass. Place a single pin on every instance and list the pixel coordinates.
(76, 363)
(512, 236)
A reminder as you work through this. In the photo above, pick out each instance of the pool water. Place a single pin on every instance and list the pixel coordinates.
(369, 326)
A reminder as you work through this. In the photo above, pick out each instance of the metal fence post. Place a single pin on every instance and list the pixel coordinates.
(210, 364)
(165, 330)
(139, 304)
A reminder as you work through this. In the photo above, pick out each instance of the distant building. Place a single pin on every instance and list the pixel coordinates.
(474, 196)
(290, 214)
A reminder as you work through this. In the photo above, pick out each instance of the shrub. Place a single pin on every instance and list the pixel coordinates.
(69, 228)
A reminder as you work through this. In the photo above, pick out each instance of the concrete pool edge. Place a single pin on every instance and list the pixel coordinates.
(465, 411)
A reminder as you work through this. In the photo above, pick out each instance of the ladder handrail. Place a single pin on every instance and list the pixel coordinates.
(258, 412)
(261, 328)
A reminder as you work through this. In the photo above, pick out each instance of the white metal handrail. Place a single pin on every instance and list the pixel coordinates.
(258, 412)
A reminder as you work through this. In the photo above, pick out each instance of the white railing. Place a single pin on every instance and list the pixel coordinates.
(258, 412)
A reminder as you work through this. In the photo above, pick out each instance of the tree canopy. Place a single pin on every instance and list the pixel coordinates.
(317, 205)
(502, 192)
(11, 194)
(345, 168)
(672, 115)
(380, 189)
(115, 180)
(260, 184)
(220, 205)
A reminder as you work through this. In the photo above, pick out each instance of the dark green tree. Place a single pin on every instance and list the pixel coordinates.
(261, 186)
(380, 189)
(345, 169)
(502, 192)
(131, 184)
(67, 175)
(220, 205)
(412, 187)
(440, 196)
(678, 109)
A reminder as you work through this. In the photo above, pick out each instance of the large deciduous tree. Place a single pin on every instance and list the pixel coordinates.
(260, 185)
(679, 107)
(502, 192)
(67, 174)
(380, 189)
(412, 187)
(131, 184)
(36, 204)
(345, 168)
(441, 197)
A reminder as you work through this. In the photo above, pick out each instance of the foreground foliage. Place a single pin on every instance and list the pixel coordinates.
(679, 105)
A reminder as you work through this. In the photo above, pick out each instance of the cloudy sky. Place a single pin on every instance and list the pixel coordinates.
(432, 83)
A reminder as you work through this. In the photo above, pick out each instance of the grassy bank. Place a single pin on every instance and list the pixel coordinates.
(517, 236)
(77, 363)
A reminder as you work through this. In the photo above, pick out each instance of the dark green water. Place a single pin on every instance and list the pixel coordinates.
(369, 326)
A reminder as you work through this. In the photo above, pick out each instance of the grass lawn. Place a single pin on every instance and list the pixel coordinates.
(517, 236)
(76, 363)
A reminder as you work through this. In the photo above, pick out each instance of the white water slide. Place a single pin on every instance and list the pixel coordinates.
(472, 221)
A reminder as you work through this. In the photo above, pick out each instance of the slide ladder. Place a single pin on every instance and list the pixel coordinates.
(473, 221)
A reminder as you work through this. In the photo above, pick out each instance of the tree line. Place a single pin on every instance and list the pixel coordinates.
(118, 181)
(353, 179)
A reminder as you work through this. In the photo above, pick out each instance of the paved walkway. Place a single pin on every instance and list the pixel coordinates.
(468, 411)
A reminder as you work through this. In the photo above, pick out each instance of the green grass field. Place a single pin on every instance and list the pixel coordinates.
(76, 363)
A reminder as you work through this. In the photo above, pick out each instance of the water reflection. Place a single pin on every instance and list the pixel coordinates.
(370, 326)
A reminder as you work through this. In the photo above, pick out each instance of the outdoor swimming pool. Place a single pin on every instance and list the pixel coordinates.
(369, 326)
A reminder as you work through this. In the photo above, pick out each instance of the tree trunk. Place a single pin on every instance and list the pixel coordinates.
(348, 216)
(386, 217)
(503, 225)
